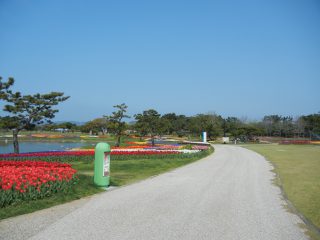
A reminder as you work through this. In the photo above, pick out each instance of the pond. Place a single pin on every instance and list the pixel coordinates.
(41, 146)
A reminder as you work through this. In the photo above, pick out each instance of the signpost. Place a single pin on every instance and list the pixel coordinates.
(204, 137)
(102, 165)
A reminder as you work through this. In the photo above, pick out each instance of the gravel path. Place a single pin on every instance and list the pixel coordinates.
(228, 195)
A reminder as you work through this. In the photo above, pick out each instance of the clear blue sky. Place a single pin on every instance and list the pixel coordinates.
(235, 58)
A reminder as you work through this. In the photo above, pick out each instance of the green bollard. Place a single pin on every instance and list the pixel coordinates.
(102, 165)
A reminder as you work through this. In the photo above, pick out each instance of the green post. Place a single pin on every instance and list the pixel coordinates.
(102, 165)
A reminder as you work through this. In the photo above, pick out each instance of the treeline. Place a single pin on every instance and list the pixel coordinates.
(35, 111)
(151, 123)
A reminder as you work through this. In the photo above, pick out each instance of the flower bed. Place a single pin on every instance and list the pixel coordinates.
(141, 152)
(199, 147)
(167, 146)
(63, 156)
(84, 155)
(132, 147)
(117, 153)
(28, 180)
(295, 142)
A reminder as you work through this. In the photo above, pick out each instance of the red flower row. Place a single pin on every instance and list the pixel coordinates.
(48, 154)
(83, 153)
(295, 142)
(19, 176)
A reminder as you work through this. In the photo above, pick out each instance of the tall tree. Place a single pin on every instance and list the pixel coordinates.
(273, 124)
(26, 111)
(149, 122)
(116, 123)
(95, 126)
(171, 119)
(234, 126)
(210, 123)
(299, 127)
(312, 124)
(287, 126)
(176, 124)
(214, 128)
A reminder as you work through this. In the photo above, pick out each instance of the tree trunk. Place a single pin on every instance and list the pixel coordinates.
(118, 141)
(15, 140)
(152, 141)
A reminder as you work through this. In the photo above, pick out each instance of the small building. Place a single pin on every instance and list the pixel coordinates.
(225, 140)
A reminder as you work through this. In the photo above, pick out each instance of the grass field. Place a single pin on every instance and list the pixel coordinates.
(123, 172)
(298, 167)
(127, 171)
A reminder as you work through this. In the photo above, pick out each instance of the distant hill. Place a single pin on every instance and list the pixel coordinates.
(74, 122)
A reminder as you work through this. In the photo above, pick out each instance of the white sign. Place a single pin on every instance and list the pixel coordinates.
(204, 137)
(225, 140)
(106, 165)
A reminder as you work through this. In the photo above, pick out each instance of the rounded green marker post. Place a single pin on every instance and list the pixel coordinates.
(102, 165)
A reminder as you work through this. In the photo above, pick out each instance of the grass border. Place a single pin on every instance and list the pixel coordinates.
(312, 230)
(114, 187)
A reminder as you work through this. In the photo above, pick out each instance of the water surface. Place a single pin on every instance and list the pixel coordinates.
(41, 146)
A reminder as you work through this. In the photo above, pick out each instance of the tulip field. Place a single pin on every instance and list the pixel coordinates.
(117, 153)
(84, 155)
(57, 176)
(29, 180)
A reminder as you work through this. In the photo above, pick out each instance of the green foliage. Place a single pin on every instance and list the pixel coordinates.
(25, 111)
(66, 126)
(95, 126)
(210, 123)
(149, 122)
(9, 122)
(32, 109)
(4, 87)
(285, 126)
(312, 123)
(115, 121)
(276, 125)
(176, 124)
(234, 126)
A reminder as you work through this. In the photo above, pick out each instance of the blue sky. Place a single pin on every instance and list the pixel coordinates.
(235, 58)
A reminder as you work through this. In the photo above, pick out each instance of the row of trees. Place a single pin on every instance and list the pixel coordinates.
(151, 123)
(180, 125)
(303, 126)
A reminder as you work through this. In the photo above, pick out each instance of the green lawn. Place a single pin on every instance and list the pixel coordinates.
(298, 167)
(122, 172)
(131, 170)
